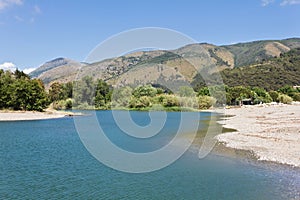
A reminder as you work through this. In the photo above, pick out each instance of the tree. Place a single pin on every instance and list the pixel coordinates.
(38, 98)
(6, 81)
(68, 90)
(20, 74)
(185, 91)
(121, 97)
(238, 93)
(144, 90)
(56, 92)
(261, 95)
(28, 95)
(84, 91)
(103, 94)
(204, 91)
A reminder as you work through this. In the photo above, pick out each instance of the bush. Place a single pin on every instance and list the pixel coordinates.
(141, 102)
(121, 97)
(63, 104)
(68, 104)
(185, 91)
(296, 96)
(283, 98)
(206, 102)
(274, 95)
(189, 102)
(170, 101)
(145, 90)
(261, 96)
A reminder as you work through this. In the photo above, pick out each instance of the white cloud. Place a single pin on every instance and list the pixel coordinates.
(12, 67)
(28, 70)
(283, 2)
(7, 3)
(289, 2)
(266, 2)
(8, 66)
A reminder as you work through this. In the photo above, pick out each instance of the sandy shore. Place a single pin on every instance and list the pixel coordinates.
(271, 132)
(31, 115)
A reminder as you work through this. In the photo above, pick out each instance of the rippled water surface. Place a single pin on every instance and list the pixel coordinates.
(46, 160)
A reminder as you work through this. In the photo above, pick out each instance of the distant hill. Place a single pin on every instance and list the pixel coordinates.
(167, 66)
(59, 69)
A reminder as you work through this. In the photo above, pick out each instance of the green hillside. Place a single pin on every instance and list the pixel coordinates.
(271, 74)
(252, 52)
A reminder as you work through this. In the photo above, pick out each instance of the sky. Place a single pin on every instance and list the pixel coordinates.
(35, 31)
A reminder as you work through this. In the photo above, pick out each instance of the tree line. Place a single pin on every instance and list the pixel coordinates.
(90, 94)
(19, 92)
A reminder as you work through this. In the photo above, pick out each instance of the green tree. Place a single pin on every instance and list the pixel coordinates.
(103, 94)
(144, 90)
(122, 96)
(186, 91)
(288, 90)
(261, 95)
(204, 91)
(68, 90)
(28, 95)
(56, 92)
(84, 92)
(6, 81)
(238, 93)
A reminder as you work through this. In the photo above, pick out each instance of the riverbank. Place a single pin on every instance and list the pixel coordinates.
(270, 132)
(7, 115)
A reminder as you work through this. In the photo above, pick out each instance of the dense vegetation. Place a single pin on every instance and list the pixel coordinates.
(89, 94)
(19, 92)
(271, 74)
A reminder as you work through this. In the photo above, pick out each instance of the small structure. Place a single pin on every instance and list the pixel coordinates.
(246, 102)
(296, 86)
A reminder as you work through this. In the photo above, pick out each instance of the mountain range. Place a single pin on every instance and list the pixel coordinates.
(183, 64)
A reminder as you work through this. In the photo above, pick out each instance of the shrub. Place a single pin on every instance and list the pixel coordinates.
(68, 104)
(122, 96)
(205, 102)
(189, 102)
(141, 102)
(170, 101)
(274, 95)
(283, 98)
(185, 91)
(145, 90)
(296, 96)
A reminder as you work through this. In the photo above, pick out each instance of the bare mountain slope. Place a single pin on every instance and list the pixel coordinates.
(179, 64)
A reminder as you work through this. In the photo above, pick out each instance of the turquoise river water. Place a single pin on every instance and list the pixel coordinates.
(45, 159)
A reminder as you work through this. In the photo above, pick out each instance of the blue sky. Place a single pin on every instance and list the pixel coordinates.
(35, 31)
